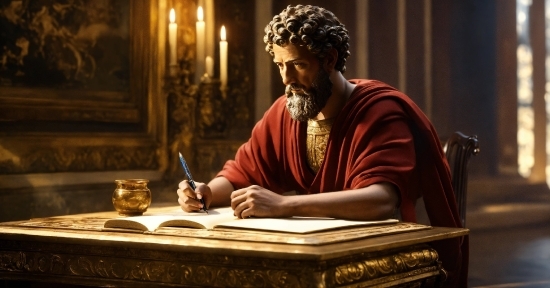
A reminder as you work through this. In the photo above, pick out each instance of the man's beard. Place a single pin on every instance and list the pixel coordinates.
(304, 105)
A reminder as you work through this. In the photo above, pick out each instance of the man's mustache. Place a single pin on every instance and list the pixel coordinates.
(295, 88)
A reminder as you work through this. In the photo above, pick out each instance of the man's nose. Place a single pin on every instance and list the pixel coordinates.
(288, 76)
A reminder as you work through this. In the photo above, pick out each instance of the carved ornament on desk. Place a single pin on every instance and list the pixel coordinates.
(203, 269)
(111, 264)
(399, 265)
(178, 272)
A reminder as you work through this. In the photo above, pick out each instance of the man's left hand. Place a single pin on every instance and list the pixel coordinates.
(256, 201)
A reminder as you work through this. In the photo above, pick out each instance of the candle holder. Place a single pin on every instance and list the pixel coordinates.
(181, 97)
(196, 111)
(173, 70)
(212, 109)
(208, 118)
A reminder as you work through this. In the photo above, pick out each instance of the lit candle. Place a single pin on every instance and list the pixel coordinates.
(200, 44)
(223, 58)
(172, 37)
(209, 66)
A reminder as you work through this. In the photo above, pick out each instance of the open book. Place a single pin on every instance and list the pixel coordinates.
(224, 218)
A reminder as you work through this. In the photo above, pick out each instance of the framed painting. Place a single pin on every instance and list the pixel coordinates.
(75, 86)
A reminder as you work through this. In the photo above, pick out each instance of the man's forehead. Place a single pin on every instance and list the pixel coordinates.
(290, 52)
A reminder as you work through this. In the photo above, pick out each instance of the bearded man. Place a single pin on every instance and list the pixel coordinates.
(350, 149)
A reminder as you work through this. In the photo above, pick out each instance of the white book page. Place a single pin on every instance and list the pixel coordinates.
(214, 216)
(299, 224)
(223, 217)
(175, 218)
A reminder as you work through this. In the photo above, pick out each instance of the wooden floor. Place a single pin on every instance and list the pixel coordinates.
(509, 234)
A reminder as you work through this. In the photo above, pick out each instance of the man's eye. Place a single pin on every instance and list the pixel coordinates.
(299, 65)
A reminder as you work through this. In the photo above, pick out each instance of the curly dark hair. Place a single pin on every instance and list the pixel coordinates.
(313, 26)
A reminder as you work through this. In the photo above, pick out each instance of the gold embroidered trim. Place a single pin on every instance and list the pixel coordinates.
(317, 138)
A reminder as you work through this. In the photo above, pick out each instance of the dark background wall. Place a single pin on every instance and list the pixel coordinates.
(473, 76)
(463, 55)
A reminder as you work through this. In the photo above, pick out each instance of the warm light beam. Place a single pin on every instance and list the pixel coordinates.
(526, 115)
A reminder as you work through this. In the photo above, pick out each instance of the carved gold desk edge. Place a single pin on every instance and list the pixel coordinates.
(403, 266)
(92, 224)
(313, 244)
(122, 257)
(213, 269)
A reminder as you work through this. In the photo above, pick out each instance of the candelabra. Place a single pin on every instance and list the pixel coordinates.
(212, 112)
(198, 113)
(208, 118)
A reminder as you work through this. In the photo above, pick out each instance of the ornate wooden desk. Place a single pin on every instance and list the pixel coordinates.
(74, 250)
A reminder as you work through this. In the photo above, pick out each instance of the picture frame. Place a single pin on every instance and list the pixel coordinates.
(77, 125)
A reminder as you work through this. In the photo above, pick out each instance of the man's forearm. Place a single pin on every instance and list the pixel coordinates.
(221, 192)
(375, 202)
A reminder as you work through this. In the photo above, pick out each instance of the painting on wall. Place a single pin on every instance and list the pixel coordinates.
(75, 86)
(65, 44)
(69, 61)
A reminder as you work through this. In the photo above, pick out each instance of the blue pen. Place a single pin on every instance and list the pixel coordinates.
(191, 182)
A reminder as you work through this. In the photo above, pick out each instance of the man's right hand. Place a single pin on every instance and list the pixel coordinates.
(189, 199)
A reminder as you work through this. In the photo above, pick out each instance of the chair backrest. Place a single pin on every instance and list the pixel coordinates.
(458, 150)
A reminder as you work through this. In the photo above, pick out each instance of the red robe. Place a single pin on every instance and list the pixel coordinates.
(379, 136)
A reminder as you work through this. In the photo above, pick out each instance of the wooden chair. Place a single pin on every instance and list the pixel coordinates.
(458, 150)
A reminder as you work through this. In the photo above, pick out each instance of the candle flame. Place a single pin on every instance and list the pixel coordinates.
(172, 15)
(223, 36)
(200, 15)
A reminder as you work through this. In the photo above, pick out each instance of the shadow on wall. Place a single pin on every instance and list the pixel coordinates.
(33, 202)
(26, 199)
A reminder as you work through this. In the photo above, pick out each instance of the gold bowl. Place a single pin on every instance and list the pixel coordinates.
(131, 197)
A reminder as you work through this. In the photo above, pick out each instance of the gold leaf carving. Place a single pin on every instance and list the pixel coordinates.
(118, 115)
(211, 155)
(181, 125)
(85, 158)
(147, 271)
(377, 267)
(212, 115)
(84, 223)
(188, 269)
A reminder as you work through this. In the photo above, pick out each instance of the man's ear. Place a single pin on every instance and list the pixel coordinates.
(330, 60)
